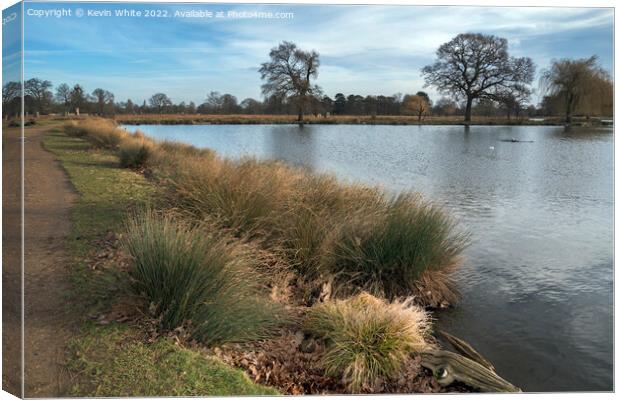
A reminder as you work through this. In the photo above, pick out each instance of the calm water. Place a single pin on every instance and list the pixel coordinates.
(537, 286)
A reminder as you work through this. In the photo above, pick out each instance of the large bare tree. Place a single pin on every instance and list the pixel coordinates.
(11, 98)
(102, 97)
(577, 83)
(474, 66)
(160, 101)
(63, 95)
(39, 91)
(289, 72)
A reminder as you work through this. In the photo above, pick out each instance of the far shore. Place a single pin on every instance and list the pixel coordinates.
(245, 119)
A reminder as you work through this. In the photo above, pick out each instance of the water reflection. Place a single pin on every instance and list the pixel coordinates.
(295, 145)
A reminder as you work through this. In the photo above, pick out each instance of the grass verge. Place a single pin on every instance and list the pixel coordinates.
(113, 361)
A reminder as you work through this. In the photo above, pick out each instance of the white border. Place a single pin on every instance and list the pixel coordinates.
(508, 3)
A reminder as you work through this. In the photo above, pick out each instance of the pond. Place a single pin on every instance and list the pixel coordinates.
(537, 285)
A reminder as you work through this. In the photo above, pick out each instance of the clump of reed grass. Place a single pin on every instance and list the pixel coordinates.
(73, 129)
(317, 206)
(135, 151)
(245, 196)
(367, 337)
(171, 160)
(386, 249)
(197, 279)
(102, 133)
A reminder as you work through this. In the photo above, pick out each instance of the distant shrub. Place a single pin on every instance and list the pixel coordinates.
(197, 279)
(386, 249)
(368, 338)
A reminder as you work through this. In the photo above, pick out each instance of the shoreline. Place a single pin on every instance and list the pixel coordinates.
(184, 119)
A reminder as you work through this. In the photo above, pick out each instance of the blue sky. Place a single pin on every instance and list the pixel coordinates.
(11, 43)
(364, 49)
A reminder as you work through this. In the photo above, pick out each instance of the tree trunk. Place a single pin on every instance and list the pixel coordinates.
(569, 117)
(300, 113)
(468, 109)
(569, 107)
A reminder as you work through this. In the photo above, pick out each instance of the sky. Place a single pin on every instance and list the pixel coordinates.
(11, 43)
(366, 50)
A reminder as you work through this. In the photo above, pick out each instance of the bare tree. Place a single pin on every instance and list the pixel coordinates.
(576, 82)
(289, 73)
(102, 98)
(445, 106)
(39, 91)
(513, 101)
(78, 98)
(417, 105)
(474, 66)
(160, 101)
(63, 95)
(11, 93)
(251, 106)
(213, 103)
(130, 107)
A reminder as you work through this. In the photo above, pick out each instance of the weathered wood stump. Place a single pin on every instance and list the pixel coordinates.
(464, 349)
(468, 367)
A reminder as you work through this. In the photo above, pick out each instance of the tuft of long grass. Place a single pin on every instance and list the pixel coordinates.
(387, 249)
(196, 279)
(316, 206)
(74, 129)
(135, 151)
(367, 337)
(102, 133)
(245, 196)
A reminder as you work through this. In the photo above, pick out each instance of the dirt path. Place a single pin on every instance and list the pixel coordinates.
(48, 199)
(11, 262)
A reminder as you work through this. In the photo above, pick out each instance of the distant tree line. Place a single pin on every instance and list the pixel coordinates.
(473, 72)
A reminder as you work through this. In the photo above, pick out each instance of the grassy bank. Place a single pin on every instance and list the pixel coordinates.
(218, 254)
(111, 356)
(352, 236)
(240, 119)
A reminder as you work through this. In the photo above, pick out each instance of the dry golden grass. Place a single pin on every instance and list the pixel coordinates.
(353, 235)
(134, 150)
(198, 278)
(101, 132)
(368, 338)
